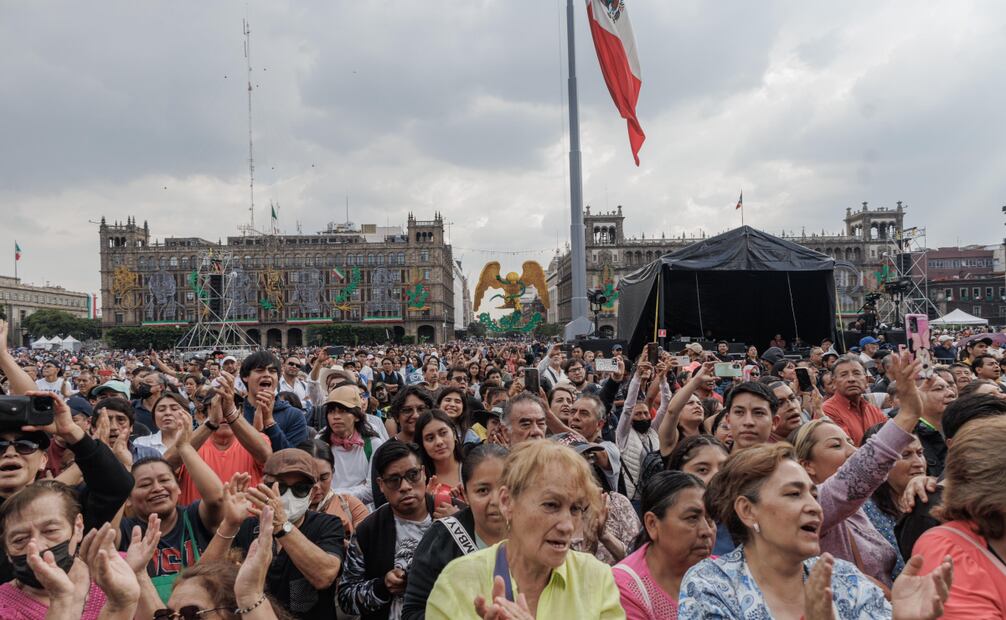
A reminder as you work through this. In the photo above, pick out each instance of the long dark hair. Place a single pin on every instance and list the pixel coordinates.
(360, 423)
(464, 421)
(426, 418)
(659, 494)
(684, 451)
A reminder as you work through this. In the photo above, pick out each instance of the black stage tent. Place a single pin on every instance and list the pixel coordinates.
(744, 285)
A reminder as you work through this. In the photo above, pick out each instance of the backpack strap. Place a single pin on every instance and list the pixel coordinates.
(639, 584)
(991, 558)
(460, 535)
(368, 449)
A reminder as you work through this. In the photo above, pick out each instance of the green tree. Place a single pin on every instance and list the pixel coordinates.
(50, 323)
(475, 330)
(350, 335)
(548, 330)
(160, 337)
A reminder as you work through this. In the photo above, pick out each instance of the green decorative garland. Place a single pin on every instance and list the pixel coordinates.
(512, 322)
(417, 296)
(611, 294)
(354, 283)
(197, 286)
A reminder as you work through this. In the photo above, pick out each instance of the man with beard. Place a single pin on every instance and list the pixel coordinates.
(848, 408)
(372, 584)
(291, 381)
(283, 424)
(576, 373)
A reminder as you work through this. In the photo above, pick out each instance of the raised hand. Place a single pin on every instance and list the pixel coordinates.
(921, 597)
(110, 571)
(235, 503)
(142, 545)
(250, 582)
(817, 594)
(263, 496)
(62, 421)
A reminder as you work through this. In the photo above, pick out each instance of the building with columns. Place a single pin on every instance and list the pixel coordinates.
(275, 285)
(20, 300)
(871, 237)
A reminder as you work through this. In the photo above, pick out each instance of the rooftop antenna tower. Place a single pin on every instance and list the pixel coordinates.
(250, 228)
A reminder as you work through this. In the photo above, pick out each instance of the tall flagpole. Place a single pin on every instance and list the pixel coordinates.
(580, 323)
(15, 260)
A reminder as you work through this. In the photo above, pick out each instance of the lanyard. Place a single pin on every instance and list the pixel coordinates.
(502, 569)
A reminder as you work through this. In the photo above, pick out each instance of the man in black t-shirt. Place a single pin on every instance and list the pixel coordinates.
(311, 544)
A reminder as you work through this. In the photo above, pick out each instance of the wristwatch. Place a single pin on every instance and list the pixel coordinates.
(213, 426)
(285, 529)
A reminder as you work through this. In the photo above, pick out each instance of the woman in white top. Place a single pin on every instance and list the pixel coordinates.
(353, 443)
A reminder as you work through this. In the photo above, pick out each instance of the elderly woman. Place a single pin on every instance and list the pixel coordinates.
(974, 528)
(768, 502)
(677, 534)
(545, 492)
(847, 476)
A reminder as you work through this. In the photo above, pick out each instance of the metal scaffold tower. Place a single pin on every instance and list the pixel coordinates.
(220, 292)
(905, 278)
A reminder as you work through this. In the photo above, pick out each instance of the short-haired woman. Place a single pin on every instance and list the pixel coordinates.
(676, 534)
(768, 502)
(974, 522)
(546, 490)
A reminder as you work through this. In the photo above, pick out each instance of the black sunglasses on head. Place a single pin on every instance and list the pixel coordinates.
(24, 447)
(188, 612)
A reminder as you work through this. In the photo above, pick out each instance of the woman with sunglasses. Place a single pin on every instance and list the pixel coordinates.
(219, 589)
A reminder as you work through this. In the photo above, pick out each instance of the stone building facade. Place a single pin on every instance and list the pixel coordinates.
(21, 300)
(870, 237)
(278, 284)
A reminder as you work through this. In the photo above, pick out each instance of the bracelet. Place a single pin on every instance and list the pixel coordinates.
(232, 537)
(232, 417)
(240, 612)
(269, 425)
(213, 426)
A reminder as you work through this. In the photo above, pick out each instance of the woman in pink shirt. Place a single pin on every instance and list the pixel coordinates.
(677, 534)
(974, 528)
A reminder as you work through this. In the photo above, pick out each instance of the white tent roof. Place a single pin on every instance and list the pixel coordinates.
(69, 339)
(958, 317)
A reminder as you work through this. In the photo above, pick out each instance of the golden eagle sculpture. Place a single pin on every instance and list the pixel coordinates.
(514, 286)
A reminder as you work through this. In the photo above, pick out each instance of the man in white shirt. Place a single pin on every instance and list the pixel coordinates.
(50, 381)
(290, 380)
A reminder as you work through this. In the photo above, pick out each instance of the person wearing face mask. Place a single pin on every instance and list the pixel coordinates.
(303, 571)
(636, 434)
(146, 394)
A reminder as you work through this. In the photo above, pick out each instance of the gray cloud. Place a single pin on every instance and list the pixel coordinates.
(122, 109)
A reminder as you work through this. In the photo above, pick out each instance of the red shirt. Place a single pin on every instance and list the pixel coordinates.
(853, 418)
(226, 463)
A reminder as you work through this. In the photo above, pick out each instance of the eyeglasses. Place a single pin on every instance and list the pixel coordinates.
(189, 612)
(394, 481)
(294, 364)
(24, 447)
(301, 489)
(411, 410)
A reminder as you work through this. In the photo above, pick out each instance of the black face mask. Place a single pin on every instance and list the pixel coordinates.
(23, 572)
(641, 426)
(143, 391)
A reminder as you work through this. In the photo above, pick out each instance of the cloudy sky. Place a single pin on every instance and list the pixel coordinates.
(123, 109)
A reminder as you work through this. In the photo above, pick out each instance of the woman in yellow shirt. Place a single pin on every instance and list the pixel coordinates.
(545, 491)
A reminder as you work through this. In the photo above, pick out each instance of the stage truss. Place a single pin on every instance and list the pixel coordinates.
(906, 286)
(214, 280)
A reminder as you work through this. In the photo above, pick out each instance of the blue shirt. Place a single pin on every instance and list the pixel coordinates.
(290, 429)
(724, 588)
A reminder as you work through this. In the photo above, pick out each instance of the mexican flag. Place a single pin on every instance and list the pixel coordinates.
(338, 273)
(17, 251)
(616, 51)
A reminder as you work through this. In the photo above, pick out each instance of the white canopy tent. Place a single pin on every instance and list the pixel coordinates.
(958, 317)
(42, 343)
(71, 344)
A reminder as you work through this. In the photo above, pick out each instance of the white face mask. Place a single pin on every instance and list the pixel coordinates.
(294, 507)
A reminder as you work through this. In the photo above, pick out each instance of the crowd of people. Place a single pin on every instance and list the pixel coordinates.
(505, 479)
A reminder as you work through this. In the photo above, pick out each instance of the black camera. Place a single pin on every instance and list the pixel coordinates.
(18, 411)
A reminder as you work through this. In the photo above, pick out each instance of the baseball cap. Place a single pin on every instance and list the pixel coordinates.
(291, 461)
(229, 358)
(347, 396)
(694, 347)
(986, 340)
(616, 347)
(576, 441)
(111, 386)
(79, 405)
(865, 340)
(945, 338)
